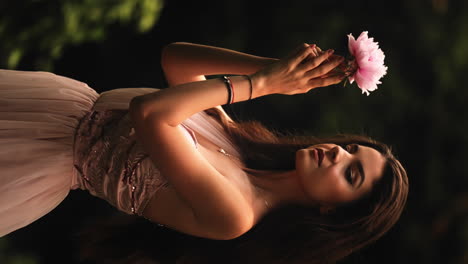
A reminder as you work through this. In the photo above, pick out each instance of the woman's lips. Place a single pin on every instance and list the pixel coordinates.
(320, 156)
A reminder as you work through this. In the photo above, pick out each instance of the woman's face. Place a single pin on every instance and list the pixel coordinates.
(332, 175)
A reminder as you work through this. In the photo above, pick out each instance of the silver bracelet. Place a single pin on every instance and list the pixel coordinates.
(228, 83)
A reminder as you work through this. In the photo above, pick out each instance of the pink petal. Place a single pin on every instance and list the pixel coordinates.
(351, 44)
(370, 60)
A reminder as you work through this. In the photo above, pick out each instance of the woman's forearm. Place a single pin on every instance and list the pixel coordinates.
(178, 103)
(185, 66)
(187, 62)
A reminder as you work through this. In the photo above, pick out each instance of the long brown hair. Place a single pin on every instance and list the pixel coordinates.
(296, 234)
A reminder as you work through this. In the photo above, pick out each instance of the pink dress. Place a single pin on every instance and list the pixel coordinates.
(57, 134)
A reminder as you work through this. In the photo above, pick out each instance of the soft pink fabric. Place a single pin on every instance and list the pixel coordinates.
(39, 115)
(370, 62)
(110, 163)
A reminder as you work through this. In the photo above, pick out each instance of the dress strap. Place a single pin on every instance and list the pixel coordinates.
(191, 133)
(209, 128)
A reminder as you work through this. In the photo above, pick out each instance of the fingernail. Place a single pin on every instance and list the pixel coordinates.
(330, 51)
(312, 46)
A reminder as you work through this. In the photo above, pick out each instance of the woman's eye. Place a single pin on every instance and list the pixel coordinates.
(349, 175)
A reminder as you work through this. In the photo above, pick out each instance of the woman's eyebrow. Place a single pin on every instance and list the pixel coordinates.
(361, 173)
(361, 170)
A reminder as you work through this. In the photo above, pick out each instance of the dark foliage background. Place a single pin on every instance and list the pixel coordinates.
(419, 109)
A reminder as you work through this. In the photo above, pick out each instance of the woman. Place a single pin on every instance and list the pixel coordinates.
(159, 155)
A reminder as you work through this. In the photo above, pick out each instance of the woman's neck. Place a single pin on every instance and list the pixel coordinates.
(278, 188)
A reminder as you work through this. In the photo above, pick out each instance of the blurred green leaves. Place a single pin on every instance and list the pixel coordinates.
(7, 257)
(47, 27)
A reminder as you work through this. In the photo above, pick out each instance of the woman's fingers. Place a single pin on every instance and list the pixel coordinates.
(302, 53)
(315, 50)
(315, 53)
(321, 82)
(316, 61)
(325, 67)
(306, 68)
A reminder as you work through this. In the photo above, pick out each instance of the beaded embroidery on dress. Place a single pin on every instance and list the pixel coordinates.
(58, 134)
(111, 163)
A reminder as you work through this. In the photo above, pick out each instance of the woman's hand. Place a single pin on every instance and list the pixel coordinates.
(306, 68)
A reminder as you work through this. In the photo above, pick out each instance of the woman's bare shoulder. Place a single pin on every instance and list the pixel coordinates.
(166, 207)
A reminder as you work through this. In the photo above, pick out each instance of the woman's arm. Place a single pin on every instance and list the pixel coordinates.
(184, 62)
(204, 203)
(210, 205)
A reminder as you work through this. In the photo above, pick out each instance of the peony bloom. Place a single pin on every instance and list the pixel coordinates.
(367, 65)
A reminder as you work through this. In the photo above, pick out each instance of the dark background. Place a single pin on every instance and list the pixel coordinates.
(419, 108)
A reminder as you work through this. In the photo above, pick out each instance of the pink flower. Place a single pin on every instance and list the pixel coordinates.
(368, 62)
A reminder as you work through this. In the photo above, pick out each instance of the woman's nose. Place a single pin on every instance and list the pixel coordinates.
(334, 154)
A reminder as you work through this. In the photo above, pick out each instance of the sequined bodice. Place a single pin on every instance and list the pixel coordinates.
(111, 164)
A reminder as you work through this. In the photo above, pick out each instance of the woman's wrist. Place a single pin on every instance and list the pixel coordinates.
(268, 61)
(258, 85)
(239, 88)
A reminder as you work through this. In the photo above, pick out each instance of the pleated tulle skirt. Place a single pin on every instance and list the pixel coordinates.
(39, 114)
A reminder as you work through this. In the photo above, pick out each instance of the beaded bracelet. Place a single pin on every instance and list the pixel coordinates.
(228, 83)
